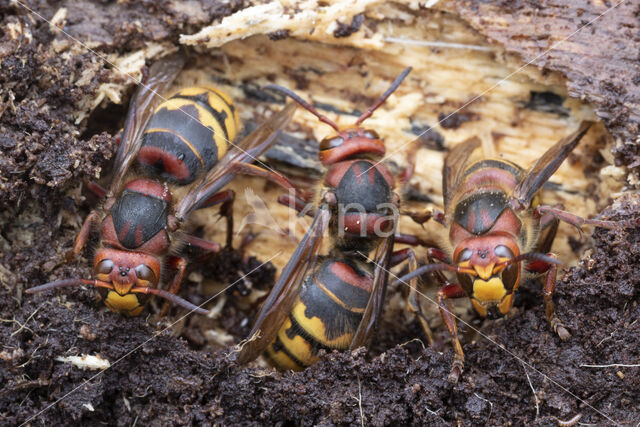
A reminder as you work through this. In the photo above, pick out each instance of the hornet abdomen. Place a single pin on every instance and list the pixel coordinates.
(187, 134)
(325, 316)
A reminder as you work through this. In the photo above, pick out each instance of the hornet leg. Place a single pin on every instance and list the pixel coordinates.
(413, 301)
(425, 215)
(203, 244)
(432, 251)
(275, 177)
(180, 265)
(408, 171)
(452, 291)
(83, 235)
(578, 221)
(297, 203)
(548, 230)
(226, 210)
(97, 189)
(550, 310)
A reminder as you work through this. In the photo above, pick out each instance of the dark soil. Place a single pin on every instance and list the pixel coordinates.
(518, 372)
(41, 89)
(156, 377)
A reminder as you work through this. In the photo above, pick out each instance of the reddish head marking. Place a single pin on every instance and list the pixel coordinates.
(124, 231)
(138, 234)
(350, 143)
(507, 223)
(355, 141)
(108, 232)
(122, 269)
(158, 244)
(483, 248)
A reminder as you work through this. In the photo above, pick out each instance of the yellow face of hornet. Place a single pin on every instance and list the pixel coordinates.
(488, 279)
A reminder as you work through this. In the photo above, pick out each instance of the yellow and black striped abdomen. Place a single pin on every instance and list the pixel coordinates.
(188, 133)
(325, 316)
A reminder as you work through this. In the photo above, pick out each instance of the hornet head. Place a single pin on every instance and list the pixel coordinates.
(125, 271)
(488, 273)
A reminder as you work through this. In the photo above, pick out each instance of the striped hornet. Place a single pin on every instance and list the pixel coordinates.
(333, 301)
(175, 156)
(499, 233)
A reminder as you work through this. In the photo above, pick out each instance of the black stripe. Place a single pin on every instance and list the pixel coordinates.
(297, 329)
(271, 361)
(493, 163)
(202, 100)
(170, 142)
(190, 128)
(337, 320)
(278, 345)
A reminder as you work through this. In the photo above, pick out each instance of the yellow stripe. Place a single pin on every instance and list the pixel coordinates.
(187, 143)
(281, 360)
(222, 95)
(482, 311)
(232, 123)
(338, 301)
(297, 346)
(506, 304)
(316, 329)
(192, 91)
(221, 100)
(218, 101)
(219, 104)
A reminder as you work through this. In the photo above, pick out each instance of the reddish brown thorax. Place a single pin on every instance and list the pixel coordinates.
(139, 218)
(357, 179)
(336, 172)
(507, 224)
(358, 184)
